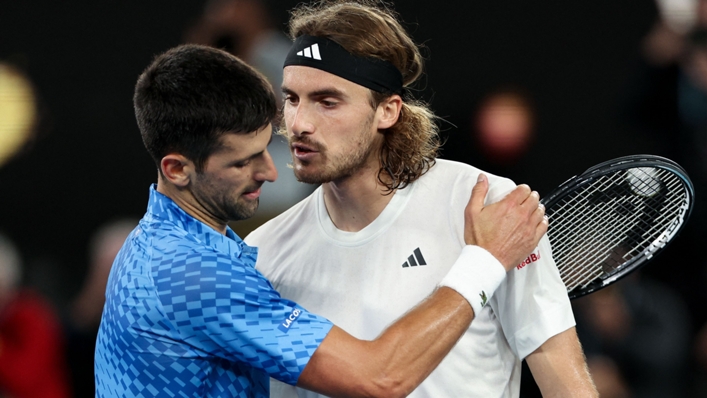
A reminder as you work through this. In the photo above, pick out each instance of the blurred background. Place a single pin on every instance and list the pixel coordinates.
(535, 91)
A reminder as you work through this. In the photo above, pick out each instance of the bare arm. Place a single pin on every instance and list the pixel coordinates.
(560, 369)
(397, 361)
(406, 353)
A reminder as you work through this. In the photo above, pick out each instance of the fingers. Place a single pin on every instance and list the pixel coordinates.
(532, 200)
(542, 225)
(519, 195)
(537, 217)
(541, 213)
(527, 199)
(536, 211)
(478, 193)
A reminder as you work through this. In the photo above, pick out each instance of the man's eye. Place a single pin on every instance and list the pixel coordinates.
(242, 164)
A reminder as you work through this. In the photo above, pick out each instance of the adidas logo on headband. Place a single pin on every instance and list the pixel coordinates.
(374, 73)
(310, 52)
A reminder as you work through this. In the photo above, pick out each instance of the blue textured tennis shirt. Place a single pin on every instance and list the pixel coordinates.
(187, 315)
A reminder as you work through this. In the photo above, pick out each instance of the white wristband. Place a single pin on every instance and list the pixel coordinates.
(475, 275)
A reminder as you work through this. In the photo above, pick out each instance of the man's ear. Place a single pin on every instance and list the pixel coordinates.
(390, 111)
(177, 169)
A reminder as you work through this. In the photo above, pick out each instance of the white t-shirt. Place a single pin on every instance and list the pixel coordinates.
(363, 281)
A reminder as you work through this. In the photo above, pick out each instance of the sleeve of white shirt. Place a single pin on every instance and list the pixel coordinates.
(532, 303)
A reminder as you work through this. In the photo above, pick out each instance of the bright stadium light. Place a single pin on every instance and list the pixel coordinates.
(18, 111)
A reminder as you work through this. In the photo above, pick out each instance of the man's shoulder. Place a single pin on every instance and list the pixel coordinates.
(453, 174)
(157, 243)
(164, 235)
(459, 170)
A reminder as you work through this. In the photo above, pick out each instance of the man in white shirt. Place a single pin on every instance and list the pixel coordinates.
(386, 224)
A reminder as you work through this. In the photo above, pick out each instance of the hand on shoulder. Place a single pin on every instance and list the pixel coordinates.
(510, 228)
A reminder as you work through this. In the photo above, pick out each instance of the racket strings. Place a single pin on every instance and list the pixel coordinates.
(612, 261)
(576, 208)
(662, 221)
(591, 254)
(581, 236)
(615, 249)
(661, 218)
(599, 228)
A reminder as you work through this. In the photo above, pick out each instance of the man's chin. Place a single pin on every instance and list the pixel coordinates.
(244, 211)
(308, 176)
(309, 179)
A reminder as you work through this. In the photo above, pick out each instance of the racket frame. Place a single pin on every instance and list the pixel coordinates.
(655, 247)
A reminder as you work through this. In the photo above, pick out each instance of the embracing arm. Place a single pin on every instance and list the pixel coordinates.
(406, 352)
(397, 361)
(560, 369)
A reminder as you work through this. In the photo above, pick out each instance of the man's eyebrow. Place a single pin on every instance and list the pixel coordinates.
(328, 92)
(324, 92)
(249, 157)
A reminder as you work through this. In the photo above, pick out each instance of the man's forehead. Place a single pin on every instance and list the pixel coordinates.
(235, 141)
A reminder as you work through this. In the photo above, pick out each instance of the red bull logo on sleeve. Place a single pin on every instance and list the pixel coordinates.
(533, 257)
(289, 320)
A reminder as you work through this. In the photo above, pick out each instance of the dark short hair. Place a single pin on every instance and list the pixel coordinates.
(191, 95)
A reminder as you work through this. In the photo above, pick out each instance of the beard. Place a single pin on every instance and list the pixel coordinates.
(241, 210)
(223, 203)
(331, 167)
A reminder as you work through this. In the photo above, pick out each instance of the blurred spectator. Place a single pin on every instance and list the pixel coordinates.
(32, 361)
(504, 125)
(86, 309)
(499, 133)
(635, 335)
(700, 354)
(607, 377)
(244, 28)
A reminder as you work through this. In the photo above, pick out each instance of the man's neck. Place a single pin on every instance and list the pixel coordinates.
(355, 201)
(187, 202)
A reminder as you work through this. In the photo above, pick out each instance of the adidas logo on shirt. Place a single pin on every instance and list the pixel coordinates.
(310, 52)
(415, 259)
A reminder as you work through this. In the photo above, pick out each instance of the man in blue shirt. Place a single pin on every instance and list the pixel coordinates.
(186, 312)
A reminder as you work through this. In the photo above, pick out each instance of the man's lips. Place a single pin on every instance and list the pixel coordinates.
(303, 152)
(252, 194)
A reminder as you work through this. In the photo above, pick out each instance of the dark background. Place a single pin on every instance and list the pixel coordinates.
(88, 165)
(578, 61)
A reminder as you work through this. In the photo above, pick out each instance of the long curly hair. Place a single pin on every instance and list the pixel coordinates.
(369, 28)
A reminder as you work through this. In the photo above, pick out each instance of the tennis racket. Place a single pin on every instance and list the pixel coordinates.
(614, 218)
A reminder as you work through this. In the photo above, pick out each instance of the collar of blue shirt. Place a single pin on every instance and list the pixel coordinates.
(163, 209)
